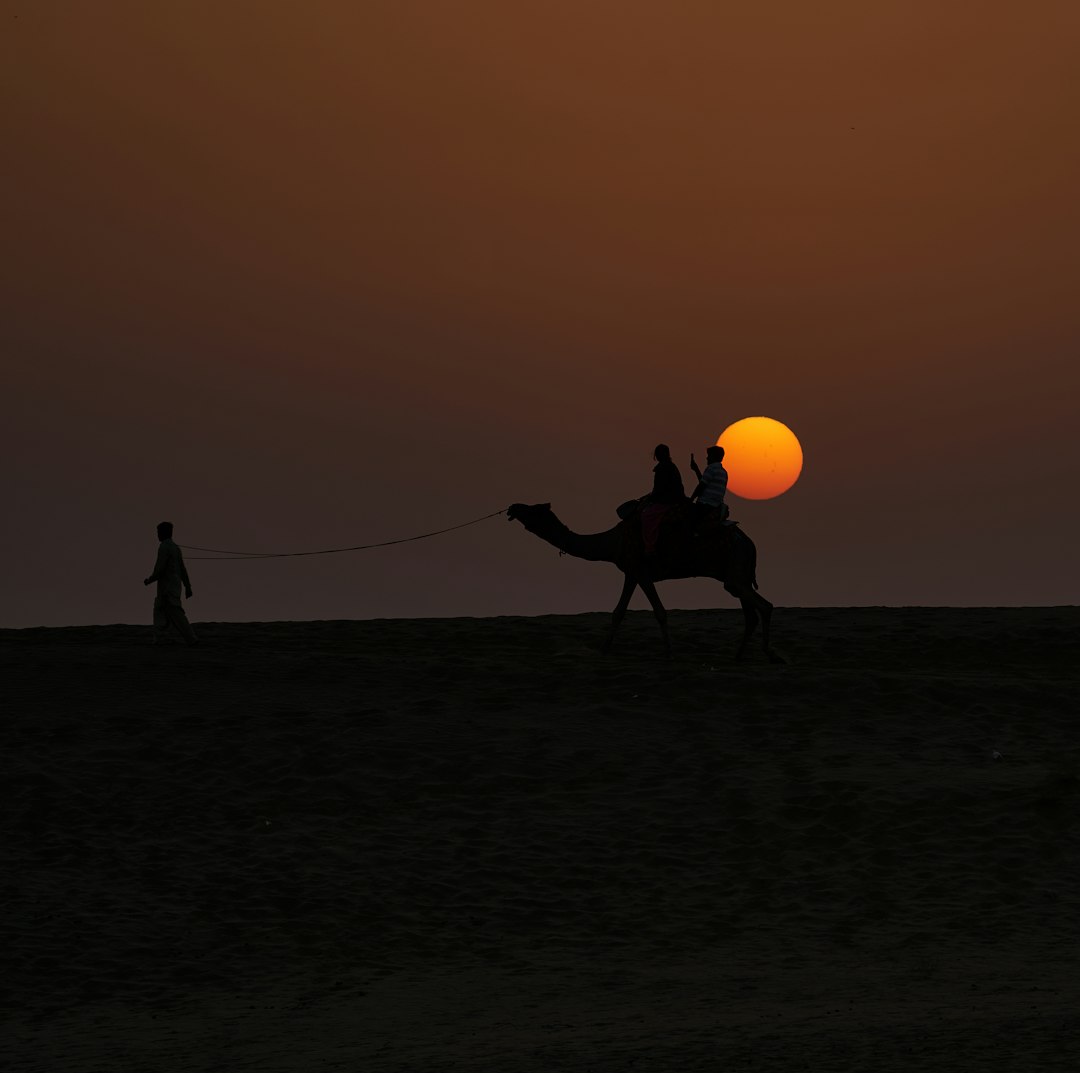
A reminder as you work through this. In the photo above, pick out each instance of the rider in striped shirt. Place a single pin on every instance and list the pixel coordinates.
(712, 484)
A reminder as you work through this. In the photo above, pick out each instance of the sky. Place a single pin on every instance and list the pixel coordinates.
(299, 276)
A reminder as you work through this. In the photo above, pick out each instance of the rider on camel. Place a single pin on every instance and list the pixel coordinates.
(708, 496)
(667, 492)
(667, 480)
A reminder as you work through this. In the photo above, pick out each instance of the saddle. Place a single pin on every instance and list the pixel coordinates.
(661, 525)
(714, 520)
(665, 527)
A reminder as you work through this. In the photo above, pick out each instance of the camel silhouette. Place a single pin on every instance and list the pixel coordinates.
(730, 558)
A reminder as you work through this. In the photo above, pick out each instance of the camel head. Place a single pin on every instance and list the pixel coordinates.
(536, 518)
(540, 520)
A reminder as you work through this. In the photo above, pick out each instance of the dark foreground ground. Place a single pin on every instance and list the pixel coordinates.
(481, 845)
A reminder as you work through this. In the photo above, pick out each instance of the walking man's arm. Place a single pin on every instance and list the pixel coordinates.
(159, 566)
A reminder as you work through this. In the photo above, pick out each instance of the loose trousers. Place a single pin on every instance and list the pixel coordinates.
(169, 614)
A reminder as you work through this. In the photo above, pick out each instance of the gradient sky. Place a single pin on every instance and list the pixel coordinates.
(305, 275)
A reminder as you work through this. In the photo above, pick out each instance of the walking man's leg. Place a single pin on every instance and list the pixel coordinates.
(161, 621)
(179, 621)
(169, 615)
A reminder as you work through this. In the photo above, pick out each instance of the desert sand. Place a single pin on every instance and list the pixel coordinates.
(479, 844)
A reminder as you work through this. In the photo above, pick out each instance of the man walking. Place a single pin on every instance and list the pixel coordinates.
(170, 573)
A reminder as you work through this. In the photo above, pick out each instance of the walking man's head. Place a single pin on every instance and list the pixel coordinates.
(715, 454)
(164, 530)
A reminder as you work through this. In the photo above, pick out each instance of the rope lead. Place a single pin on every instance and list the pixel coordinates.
(218, 555)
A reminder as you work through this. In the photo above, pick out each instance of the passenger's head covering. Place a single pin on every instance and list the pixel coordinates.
(661, 452)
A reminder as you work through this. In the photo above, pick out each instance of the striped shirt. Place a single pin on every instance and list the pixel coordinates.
(714, 482)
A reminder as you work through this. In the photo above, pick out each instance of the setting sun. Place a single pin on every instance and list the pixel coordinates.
(763, 457)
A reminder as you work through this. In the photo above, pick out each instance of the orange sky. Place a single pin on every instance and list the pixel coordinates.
(306, 275)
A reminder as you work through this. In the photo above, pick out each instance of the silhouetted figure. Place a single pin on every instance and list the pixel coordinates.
(708, 496)
(667, 492)
(170, 573)
(667, 480)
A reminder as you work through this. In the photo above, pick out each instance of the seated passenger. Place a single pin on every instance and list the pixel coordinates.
(667, 480)
(666, 492)
(708, 496)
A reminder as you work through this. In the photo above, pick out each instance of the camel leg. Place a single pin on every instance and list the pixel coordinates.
(750, 621)
(766, 616)
(755, 607)
(649, 589)
(629, 585)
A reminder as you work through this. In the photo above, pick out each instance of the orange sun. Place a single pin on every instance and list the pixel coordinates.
(762, 456)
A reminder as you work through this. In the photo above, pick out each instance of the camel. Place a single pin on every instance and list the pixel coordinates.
(731, 560)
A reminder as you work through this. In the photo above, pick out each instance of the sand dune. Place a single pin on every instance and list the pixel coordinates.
(481, 845)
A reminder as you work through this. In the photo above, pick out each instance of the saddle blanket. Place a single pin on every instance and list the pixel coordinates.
(652, 516)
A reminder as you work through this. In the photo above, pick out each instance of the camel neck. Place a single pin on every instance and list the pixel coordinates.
(596, 547)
